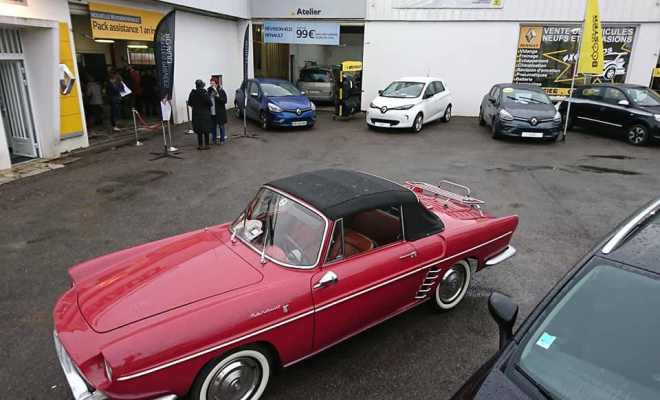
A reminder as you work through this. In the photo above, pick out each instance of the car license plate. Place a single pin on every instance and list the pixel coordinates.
(314, 91)
(532, 134)
(299, 123)
(382, 124)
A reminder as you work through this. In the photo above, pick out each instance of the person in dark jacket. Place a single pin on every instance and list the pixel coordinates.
(200, 102)
(218, 111)
(149, 93)
(112, 90)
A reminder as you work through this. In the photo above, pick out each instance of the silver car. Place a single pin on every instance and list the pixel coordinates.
(317, 83)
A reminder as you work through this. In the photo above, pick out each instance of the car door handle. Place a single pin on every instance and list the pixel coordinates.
(411, 255)
(330, 278)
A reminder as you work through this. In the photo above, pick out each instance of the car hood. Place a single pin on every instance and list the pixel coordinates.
(494, 386)
(128, 286)
(391, 102)
(654, 110)
(291, 103)
(540, 111)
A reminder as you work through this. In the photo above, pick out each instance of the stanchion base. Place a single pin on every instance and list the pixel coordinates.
(166, 154)
(138, 144)
(172, 149)
(245, 136)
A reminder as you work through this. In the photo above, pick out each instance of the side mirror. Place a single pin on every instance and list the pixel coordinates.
(254, 95)
(504, 311)
(624, 103)
(379, 92)
(492, 100)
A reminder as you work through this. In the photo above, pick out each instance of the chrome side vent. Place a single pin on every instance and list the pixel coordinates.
(428, 282)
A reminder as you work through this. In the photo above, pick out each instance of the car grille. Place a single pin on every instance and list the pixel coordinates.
(385, 121)
(302, 111)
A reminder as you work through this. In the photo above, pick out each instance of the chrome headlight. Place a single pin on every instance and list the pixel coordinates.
(557, 117)
(657, 117)
(406, 107)
(312, 106)
(274, 108)
(505, 115)
(372, 105)
(108, 370)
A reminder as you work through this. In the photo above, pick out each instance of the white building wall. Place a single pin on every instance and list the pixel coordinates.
(232, 8)
(206, 46)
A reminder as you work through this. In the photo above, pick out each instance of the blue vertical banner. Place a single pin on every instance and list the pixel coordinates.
(164, 55)
(301, 32)
(246, 54)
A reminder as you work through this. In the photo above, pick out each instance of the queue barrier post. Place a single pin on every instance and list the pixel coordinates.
(190, 131)
(137, 140)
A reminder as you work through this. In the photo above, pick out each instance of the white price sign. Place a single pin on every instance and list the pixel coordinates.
(301, 32)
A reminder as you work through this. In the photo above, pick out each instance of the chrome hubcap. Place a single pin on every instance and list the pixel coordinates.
(636, 134)
(238, 380)
(452, 284)
(448, 114)
(263, 121)
(237, 110)
(418, 123)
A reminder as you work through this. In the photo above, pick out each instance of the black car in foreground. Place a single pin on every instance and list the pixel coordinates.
(596, 335)
(519, 111)
(632, 110)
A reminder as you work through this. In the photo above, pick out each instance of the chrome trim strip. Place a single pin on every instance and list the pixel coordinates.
(239, 339)
(214, 348)
(623, 232)
(352, 334)
(602, 122)
(408, 273)
(309, 207)
(509, 252)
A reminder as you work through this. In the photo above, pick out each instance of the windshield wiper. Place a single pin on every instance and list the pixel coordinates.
(537, 385)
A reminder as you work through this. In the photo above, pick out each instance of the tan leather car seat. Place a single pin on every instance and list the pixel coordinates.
(354, 243)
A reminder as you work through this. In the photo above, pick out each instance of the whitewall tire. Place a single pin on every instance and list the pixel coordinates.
(453, 285)
(239, 375)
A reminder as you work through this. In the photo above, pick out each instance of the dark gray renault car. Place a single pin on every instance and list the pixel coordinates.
(519, 111)
(594, 336)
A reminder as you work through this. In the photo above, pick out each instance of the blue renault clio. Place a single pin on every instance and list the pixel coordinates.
(275, 103)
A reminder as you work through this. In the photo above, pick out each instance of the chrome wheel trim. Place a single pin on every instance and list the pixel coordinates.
(237, 110)
(451, 289)
(448, 114)
(636, 134)
(232, 367)
(264, 121)
(418, 123)
(236, 380)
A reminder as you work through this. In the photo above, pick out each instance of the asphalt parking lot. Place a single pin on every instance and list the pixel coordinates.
(567, 196)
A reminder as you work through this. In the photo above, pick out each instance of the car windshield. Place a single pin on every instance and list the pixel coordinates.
(600, 341)
(292, 233)
(643, 97)
(279, 89)
(524, 96)
(403, 90)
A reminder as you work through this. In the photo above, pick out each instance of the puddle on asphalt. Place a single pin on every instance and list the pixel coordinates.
(518, 168)
(603, 170)
(612, 157)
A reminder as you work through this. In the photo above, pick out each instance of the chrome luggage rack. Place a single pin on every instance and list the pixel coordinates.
(450, 195)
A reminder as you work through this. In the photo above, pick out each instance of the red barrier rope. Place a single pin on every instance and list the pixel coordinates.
(146, 125)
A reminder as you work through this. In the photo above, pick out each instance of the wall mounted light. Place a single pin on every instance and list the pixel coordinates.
(137, 46)
(104, 41)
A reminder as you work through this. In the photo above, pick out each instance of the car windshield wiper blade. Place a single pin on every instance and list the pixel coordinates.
(537, 385)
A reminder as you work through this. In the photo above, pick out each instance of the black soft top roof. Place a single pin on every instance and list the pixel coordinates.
(338, 193)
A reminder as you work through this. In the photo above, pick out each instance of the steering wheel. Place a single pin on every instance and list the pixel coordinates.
(289, 251)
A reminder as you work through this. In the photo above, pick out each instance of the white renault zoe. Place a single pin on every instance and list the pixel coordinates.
(410, 103)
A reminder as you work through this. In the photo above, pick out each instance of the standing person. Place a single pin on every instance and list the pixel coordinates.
(93, 95)
(200, 102)
(148, 83)
(112, 89)
(220, 118)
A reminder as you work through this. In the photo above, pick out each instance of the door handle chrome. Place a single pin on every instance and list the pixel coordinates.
(411, 255)
(330, 278)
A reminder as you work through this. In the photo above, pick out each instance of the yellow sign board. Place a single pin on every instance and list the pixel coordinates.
(591, 49)
(71, 120)
(114, 22)
(656, 73)
(348, 66)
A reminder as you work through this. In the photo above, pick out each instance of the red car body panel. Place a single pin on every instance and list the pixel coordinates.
(161, 311)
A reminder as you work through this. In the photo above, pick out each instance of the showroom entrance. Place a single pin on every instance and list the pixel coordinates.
(15, 106)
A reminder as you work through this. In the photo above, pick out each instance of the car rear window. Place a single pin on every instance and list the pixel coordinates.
(314, 75)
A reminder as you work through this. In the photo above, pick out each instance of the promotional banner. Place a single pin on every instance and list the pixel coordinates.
(305, 9)
(590, 60)
(447, 3)
(114, 22)
(301, 32)
(164, 55)
(546, 55)
(246, 55)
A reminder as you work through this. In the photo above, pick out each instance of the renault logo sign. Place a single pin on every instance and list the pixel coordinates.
(383, 110)
(534, 121)
(530, 35)
(298, 111)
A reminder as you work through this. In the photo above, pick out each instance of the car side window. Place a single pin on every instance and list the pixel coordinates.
(430, 91)
(591, 93)
(496, 95)
(492, 91)
(254, 88)
(613, 96)
(439, 87)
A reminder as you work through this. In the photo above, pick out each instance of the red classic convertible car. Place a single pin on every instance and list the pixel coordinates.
(312, 260)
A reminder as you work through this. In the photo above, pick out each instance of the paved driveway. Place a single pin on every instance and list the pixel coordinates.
(567, 196)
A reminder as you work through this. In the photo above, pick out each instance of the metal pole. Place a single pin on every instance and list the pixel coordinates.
(570, 94)
(164, 138)
(171, 148)
(137, 140)
(190, 131)
(245, 110)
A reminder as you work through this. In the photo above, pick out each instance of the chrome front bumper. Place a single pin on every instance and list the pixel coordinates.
(509, 252)
(79, 388)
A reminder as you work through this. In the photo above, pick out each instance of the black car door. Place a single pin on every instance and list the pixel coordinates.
(585, 110)
(611, 114)
(493, 104)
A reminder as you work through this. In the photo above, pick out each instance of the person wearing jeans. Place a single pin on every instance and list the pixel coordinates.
(219, 119)
(113, 90)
